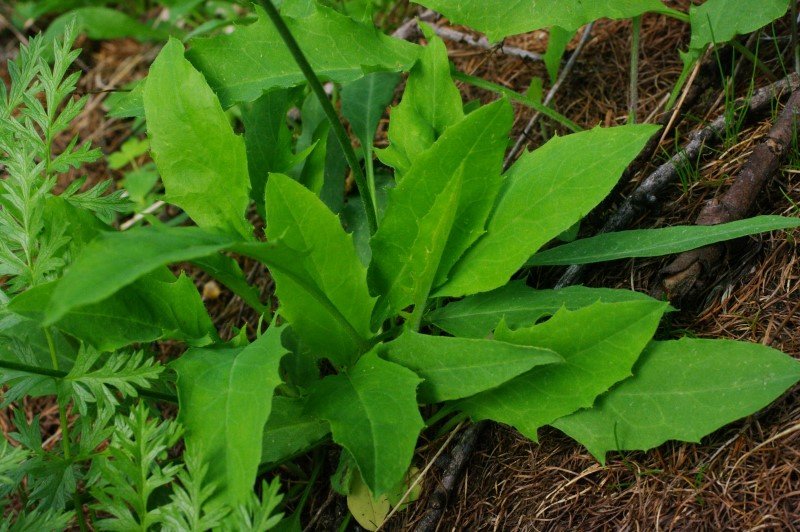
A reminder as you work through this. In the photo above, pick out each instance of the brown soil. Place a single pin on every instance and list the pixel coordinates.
(745, 476)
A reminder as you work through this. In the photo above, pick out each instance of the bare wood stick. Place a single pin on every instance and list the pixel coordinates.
(650, 190)
(409, 29)
(421, 475)
(523, 138)
(451, 34)
(452, 474)
(683, 274)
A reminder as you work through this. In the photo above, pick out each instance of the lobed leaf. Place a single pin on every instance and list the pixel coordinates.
(114, 260)
(719, 21)
(682, 390)
(365, 100)
(289, 430)
(372, 410)
(253, 59)
(439, 208)
(225, 400)
(202, 162)
(544, 194)
(519, 305)
(431, 103)
(599, 343)
(521, 16)
(302, 222)
(453, 368)
(151, 308)
(655, 242)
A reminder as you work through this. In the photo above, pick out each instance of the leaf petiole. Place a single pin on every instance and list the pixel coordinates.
(330, 112)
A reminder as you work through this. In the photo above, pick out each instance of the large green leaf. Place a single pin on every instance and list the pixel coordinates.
(501, 19)
(453, 368)
(225, 399)
(116, 259)
(301, 221)
(373, 413)
(545, 193)
(149, 309)
(719, 21)
(202, 162)
(682, 390)
(242, 65)
(656, 242)
(431, 103)
(519, 305)
(600, 345)
(365, 100)
(290, 430)
(103, 23)
(439, 209)
(268, 139)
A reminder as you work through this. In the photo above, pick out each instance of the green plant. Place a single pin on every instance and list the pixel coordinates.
(420, 311)
(112, 455)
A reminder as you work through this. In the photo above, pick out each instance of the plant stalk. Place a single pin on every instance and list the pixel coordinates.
(330, 112)
(795, 48)
(549, 112)
(63, 420)
(633, 94)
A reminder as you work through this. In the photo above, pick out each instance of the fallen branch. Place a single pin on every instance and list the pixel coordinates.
(452, 475)
(409, 30)
(483, 43)
(684, 273)
(648, 193)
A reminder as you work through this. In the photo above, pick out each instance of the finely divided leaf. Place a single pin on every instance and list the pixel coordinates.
(544, 194)
(202, 162)
(453, 368)
(510, 17)
(682, 390)
(302, 222)
(655, 242)
(600, 345)
(519, 305)
(116, 259)
(225, 399)
(413, 243)
(373, 413)
(253, 59)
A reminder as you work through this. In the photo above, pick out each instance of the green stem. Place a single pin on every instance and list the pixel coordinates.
(677, 15)
(330, 112)
(795, 48)
(750, 56)
(370, 166)
(633, 95)
(517, 97)
(415, 321)
(58, 374)
(64, 422)
(62, 408)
